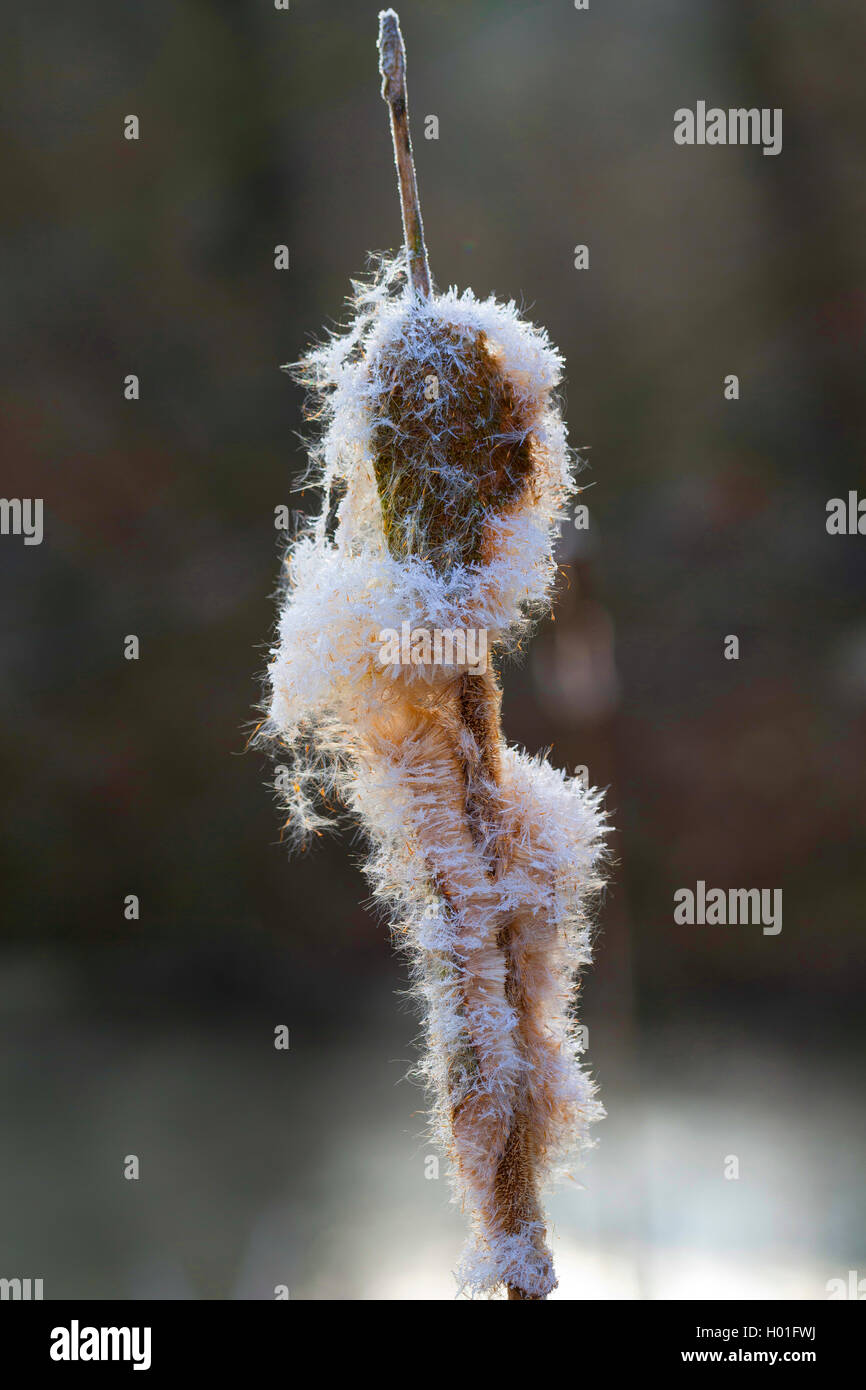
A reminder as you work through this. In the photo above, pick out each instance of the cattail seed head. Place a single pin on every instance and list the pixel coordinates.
(444, 468)
(445, 458)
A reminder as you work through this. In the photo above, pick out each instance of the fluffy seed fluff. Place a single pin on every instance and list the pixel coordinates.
(444, 470)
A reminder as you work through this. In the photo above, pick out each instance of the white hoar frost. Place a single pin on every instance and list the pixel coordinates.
(387, 744)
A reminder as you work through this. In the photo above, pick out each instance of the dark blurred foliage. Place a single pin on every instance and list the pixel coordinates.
(155, 257)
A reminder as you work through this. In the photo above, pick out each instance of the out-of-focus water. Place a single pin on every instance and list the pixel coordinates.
(309, 1168)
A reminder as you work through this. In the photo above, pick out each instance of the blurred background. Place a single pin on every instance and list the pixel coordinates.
(154, 1037)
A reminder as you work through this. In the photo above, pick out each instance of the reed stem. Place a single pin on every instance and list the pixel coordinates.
(392, 66)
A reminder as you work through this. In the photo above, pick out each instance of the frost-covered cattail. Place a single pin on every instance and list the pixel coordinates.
(444, 470)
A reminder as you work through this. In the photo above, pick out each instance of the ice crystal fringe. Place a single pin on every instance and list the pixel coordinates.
(437, 514)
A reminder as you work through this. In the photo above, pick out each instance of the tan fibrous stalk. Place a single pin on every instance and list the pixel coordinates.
(444, 467)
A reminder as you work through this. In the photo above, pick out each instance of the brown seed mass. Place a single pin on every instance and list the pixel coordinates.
(450, 444)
